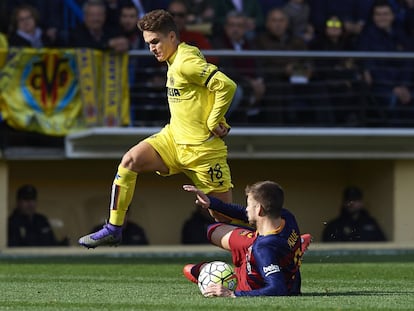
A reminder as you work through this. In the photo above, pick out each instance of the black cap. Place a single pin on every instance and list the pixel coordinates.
(27, 192)
(352, 194)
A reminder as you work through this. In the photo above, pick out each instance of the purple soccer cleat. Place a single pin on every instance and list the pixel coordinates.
(109, 235)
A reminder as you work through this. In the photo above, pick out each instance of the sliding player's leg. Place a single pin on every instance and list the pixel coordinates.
(232, 238)
(306, 240)
(219, 235)
(140, 158)
(192, 271)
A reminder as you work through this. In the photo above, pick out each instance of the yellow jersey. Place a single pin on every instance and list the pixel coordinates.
(198, 94)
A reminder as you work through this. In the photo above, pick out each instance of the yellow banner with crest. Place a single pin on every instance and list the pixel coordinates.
(58, 91)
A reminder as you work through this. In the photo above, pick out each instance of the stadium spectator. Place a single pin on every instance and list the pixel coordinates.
(27, 227)
(49, 19)
(389, 79)
(298, 12)
(114, 7)
(333, 37)
(354, 224)
(93, 33)
(128, 19)
(267, 258)
(25, 30)
(287, 98)
(179, 11)
(200, 12)
(194, 229)
(246, 105)
(354, 14)
(251, 9)
(340, 75)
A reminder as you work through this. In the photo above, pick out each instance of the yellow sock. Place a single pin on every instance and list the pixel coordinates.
(121, 196)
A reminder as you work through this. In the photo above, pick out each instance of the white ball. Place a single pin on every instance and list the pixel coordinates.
(217, 272)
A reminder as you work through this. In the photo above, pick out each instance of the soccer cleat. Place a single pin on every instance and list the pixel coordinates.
(192, 271)
(187, 271)
(109, 235)
(306, 241)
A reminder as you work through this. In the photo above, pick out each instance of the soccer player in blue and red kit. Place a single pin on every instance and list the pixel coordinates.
(267, 258)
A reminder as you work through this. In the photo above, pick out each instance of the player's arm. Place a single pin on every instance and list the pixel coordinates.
(268, 266)
(234, 211)
(198, 71)
(224, 89)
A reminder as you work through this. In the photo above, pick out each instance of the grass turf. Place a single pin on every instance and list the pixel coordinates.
(103, 283)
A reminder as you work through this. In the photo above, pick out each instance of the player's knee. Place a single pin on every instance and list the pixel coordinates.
(127, 160)
(219, 234)
(211, 229)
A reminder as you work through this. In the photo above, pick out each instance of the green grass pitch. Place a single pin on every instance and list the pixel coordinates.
(110, 283)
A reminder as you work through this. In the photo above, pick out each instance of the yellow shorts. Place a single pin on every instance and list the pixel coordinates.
(205, 164)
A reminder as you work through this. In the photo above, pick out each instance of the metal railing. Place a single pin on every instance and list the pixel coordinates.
(329, 98)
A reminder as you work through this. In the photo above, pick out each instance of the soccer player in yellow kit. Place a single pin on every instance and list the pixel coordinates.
(199, 95)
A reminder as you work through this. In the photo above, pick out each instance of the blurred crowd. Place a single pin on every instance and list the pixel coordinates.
(271, 89)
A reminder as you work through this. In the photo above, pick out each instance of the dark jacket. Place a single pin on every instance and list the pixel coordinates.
(346, 228)
(80, 37)
(275, 66)
(239, 69)
(384, 71)
(24, 231)
(17, 41)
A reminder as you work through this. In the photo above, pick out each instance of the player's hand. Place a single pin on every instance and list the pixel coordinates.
(221, 130)
(218, 290)
(202, 198)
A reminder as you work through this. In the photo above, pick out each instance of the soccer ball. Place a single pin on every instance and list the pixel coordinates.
(217, 272)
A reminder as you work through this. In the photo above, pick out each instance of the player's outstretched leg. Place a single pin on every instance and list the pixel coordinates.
(192, 271)
(121, 196)
(306, 241)
(109, 235)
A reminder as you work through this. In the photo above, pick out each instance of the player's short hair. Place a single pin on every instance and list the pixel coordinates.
(269, 194)
(158, 21)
